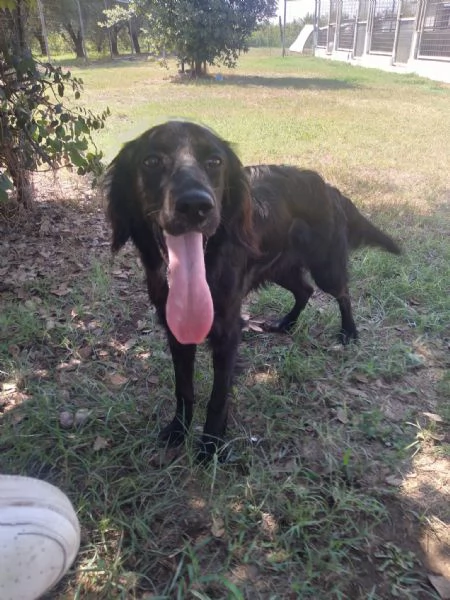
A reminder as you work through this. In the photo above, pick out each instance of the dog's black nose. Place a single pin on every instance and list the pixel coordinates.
(195, 204)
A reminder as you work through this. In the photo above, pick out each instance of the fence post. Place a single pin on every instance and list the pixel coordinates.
(316, 25)
(338, 24)
(369, 29)
(397, 30)
(418, 29)
(355, 32)
(330, 2)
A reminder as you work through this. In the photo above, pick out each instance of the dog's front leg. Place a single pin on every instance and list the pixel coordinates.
(183, 356)
(224, 351)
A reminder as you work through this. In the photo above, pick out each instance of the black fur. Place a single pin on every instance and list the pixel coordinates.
(289, 222)
(304, 224)
(144, 184)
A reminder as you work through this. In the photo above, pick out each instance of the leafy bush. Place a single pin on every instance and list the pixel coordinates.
(37, 129)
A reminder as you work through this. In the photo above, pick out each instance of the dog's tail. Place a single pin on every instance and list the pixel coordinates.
(361, 232)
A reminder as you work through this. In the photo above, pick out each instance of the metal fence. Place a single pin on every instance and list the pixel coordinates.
(347, 24)
(323, 13)
(402, 29)
(434, 40)
(384, 26)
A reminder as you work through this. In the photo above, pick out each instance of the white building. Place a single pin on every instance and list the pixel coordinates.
(401, 35)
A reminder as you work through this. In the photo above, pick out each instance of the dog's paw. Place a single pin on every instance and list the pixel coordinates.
(345, 336)
(208, 447)
(280, 326)
(173, 434)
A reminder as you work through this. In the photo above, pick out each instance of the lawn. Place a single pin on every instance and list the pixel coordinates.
(337, 485)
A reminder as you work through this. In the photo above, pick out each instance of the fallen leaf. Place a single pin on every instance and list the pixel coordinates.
(356, 392)
(130, 343)
(341, 415)
(254, 327)
(84, 352)
(218, 527)
(117, 379)
(120, 274)
(154, 379)
(393, 480)
(69, 366)
(14, 350)
(441, 584)
(62, 290)
(433, 417)
(360, 378)
(100, 443)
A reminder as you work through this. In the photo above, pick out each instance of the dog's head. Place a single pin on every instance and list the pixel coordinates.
(181, 184)
(182, 178)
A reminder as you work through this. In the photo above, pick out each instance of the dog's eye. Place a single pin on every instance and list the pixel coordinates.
(153, 161)
(213, 162)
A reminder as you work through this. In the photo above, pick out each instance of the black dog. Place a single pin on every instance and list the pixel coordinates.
(305, 224)
(206, 239)
(181, 194)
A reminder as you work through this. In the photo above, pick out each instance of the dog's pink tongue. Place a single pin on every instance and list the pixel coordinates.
(189, 308)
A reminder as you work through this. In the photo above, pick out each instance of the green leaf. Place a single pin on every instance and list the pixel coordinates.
(76, 158)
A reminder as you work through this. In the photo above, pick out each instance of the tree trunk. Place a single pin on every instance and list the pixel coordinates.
(40, 38)
(21, 177)
(135, 38)
(77, 40)
(13, 31)
(114, 48)
(199, 68)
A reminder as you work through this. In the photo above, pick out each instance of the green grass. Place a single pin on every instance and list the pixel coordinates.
(330, 448)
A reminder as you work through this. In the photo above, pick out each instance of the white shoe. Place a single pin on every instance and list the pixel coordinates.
(39, 537)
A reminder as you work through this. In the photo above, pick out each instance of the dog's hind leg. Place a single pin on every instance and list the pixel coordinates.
(183, 361)
(290, 274)
(294, 282)
(348, 328)
(333, 281)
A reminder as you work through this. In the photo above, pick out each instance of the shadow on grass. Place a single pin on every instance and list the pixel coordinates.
(153, 521)
(298, 83)
(282, 82)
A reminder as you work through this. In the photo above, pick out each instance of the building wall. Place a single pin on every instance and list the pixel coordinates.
(398, 35)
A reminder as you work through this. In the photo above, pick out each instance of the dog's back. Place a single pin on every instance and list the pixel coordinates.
(284, 195)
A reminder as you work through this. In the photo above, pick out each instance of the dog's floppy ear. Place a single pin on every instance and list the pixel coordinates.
(119, 185)
(238, 205)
